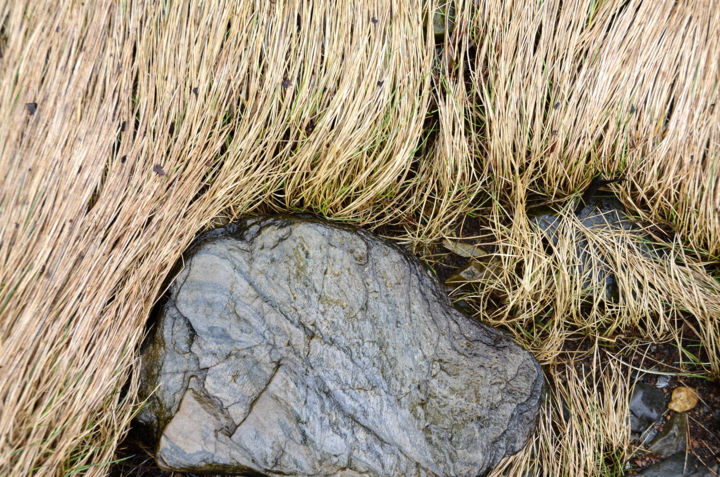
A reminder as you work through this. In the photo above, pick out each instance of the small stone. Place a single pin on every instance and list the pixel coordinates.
(646, 406)
(643, 438)
(679, 464)
(662, 382)
(683, 399)
(488, 271)
(443, 16)
(672, 438)
(600, 213)
(473, 272)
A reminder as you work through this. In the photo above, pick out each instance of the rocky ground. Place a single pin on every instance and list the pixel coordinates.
(658, 458)
(667, 442)
(669, 435)
(701, 437)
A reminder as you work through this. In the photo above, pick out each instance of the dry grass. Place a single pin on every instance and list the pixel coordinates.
(447, 182)
(150, 123)
(153, 121)
(567, 90)
(539, 287)
(582, 428)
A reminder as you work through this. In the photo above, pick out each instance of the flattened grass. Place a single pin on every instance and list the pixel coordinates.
(569, 90)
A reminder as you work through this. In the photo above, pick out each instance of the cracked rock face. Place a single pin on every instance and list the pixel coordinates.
(295, 347)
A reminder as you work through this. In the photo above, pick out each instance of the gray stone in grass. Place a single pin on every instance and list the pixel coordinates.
(646, 406)
(672, 438)
(295, 347)
(600, 213)
(662, 382)
(678, 465)
(441, 17)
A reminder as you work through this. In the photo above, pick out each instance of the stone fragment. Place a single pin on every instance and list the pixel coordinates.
(463, 249)
(295, 347)
(472, 272)
(443, 21)
(672, 438)
(646, 406)
(677, 465)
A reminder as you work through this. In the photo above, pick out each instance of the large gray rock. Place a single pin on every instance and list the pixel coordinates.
(295, 347)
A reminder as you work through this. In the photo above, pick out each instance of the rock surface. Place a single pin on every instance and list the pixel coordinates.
(678, 465)
(294, 347)
(672, 438)
(646, 406)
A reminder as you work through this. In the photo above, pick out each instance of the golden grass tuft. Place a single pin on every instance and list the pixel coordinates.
(128, 127)
(543, 291)
(447, 183)
(582, 428)
(569, 90)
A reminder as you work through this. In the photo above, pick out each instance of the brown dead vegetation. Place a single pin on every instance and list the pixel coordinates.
(129, 127)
